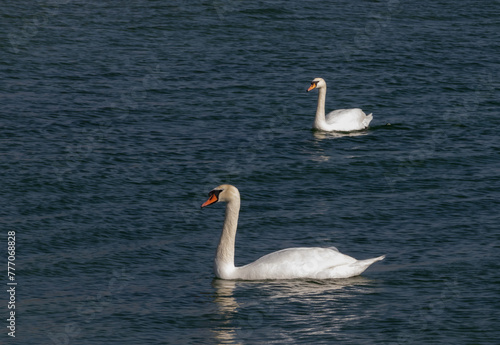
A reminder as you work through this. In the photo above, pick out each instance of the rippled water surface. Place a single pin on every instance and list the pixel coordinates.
(119, 117)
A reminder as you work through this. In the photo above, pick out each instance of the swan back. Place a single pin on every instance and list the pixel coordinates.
(297, 263)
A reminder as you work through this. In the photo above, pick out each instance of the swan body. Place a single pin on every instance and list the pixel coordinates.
(343, 120)
(291, 263)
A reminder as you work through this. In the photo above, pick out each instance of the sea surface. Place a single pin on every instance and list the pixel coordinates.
(118, 117)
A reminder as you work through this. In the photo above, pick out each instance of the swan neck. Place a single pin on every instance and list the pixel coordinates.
(224, 259)
(319, 121)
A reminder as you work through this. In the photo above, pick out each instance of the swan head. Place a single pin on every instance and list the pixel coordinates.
(224, 192)
(317, 83)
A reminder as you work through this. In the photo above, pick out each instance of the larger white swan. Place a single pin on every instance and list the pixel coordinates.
(313, 263)
(342, 120)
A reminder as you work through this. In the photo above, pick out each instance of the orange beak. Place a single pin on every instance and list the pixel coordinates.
(312, 87)
(212, 199)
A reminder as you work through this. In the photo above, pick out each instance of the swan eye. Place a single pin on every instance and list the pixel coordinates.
(215, 193)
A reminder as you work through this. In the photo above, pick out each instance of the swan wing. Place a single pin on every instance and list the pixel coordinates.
(348, 119)
(301, 263)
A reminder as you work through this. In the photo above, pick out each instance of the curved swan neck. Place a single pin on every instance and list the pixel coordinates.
(319, 121)
(224, 259)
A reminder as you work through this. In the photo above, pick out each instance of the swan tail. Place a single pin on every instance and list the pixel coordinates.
(368, 262)
(368, 119)
(378, 258)
(348, 270)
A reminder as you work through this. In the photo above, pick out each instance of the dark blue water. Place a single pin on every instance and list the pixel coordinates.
(119, 117)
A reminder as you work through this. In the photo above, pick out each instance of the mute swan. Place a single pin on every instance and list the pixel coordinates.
(343, 120)
(313, 263)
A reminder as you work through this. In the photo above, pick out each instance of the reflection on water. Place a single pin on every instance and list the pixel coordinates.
(227, 306)
(320, 155)
(224, 295)
(320, 135)
(323, 305)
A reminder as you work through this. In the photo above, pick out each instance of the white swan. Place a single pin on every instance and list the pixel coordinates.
(313, 263)
(343, 120)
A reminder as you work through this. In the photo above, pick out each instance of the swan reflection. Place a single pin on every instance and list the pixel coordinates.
(321, 135)
(247, 308)
(224, 295)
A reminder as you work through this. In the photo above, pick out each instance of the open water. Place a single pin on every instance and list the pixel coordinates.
(118, 117)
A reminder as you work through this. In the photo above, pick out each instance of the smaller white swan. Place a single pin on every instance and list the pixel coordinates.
(342, 120)
(312, 263)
